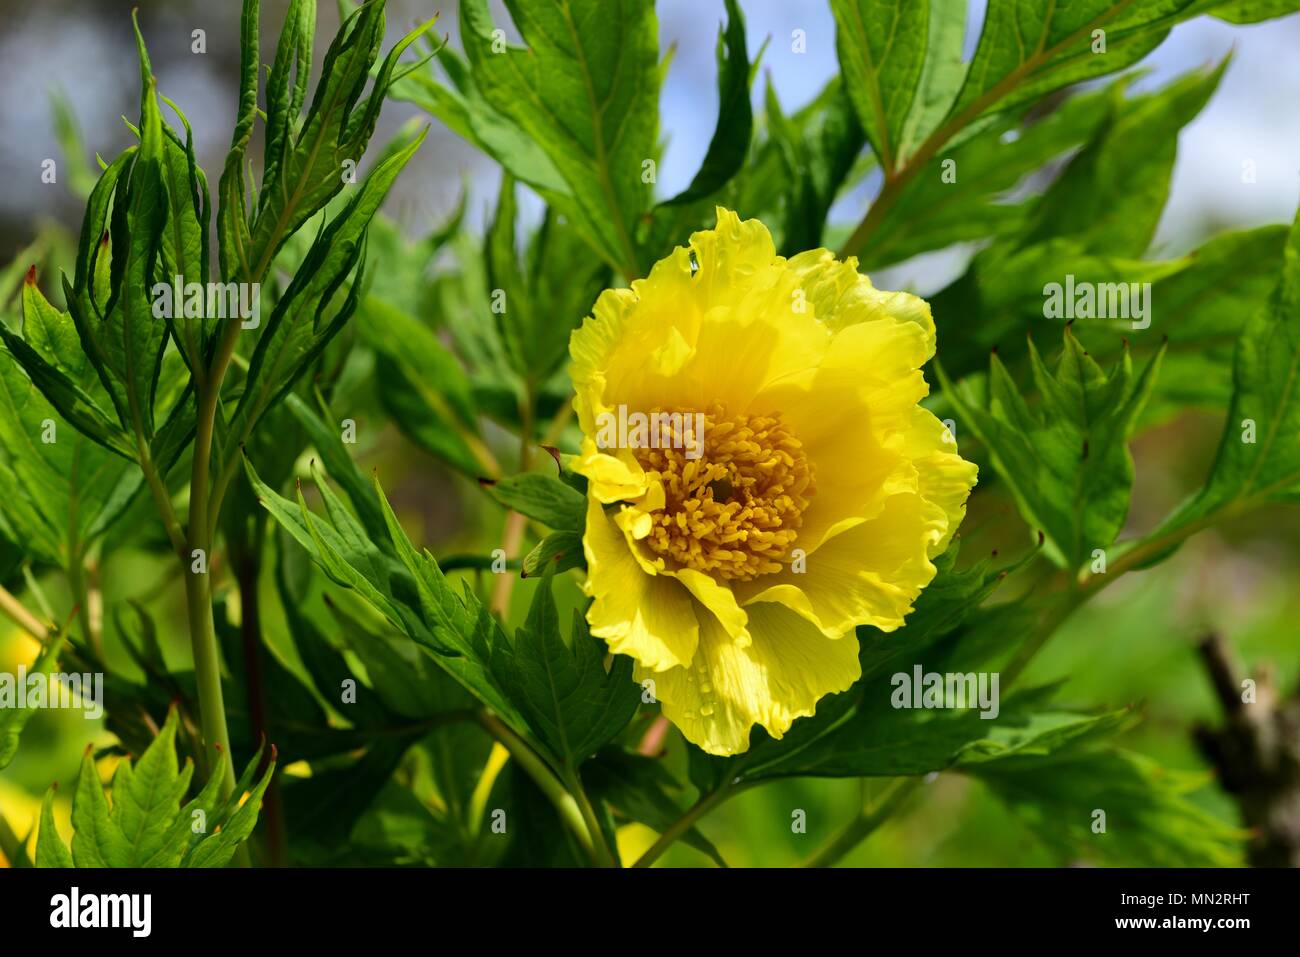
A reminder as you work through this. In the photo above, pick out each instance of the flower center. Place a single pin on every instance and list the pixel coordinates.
(734, 496)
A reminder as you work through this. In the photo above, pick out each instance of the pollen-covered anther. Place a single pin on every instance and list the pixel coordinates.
(734, 506)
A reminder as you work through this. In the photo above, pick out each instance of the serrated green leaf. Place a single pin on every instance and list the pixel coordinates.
(411, 592)
(97, 840)
(336, 129)
(61, 489)
(148, 823)
(328, 442)
(145, 796)
(570, 701)
(1066, 460)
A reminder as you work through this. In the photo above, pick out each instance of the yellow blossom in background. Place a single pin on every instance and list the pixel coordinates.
(790, 488)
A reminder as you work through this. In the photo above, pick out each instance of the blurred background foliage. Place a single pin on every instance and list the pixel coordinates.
(457, 227)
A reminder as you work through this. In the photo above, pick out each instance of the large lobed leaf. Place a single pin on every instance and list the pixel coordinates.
(148, 822)
(1065, 459)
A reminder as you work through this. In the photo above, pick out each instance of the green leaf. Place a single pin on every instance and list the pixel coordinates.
(147, 824)
(816, 148)
(571, 702)
(234, 244)
(1149, 822)
(730, 143)
(882, 47)
(1111, 196)
(61, 489)
(1026, 49)
(411, 591)
(307, 168)
(934, 210)
(50, 849)
(1203, 310)
(1259, 457)
(942, 73)
(1011, 289)
(126, 343)
(638, 789)
(559, 550)
(426, 391)
(184, 249)
(464, 110)
(327, 439)
(586, 91)
(302, 324)
(543, 498)
(1066, 460)
(286, 85)
(536, 304)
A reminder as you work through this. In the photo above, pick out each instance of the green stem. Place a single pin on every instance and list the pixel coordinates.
(896, 182)
(605, 855)
(81, 598)
(207, 675)
(545, 779)
(865, 824)
(198, 585)
(703, 806)
(18, 613)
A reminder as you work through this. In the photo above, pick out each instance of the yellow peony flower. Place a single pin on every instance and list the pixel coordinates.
(761, 477)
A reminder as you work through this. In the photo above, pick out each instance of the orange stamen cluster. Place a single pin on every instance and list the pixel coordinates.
(735, 510)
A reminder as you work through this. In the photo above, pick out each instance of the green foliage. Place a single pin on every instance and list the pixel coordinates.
(584, 91)
(1149, 822)
(568, 698)
(149, 823)
(1067, 460)
(422, 699)
(1258, 458)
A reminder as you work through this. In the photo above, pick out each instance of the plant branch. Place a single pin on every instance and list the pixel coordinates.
(605, 855)
(864, 825)
(679, 827)
(894, 185)
(18, 613)
(516, 523)
(545, 779)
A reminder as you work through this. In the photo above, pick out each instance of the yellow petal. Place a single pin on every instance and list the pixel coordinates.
(647, 617)
(844, 297)
(775, 679)
(943, 476)
(850, 414)
(867, 575)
